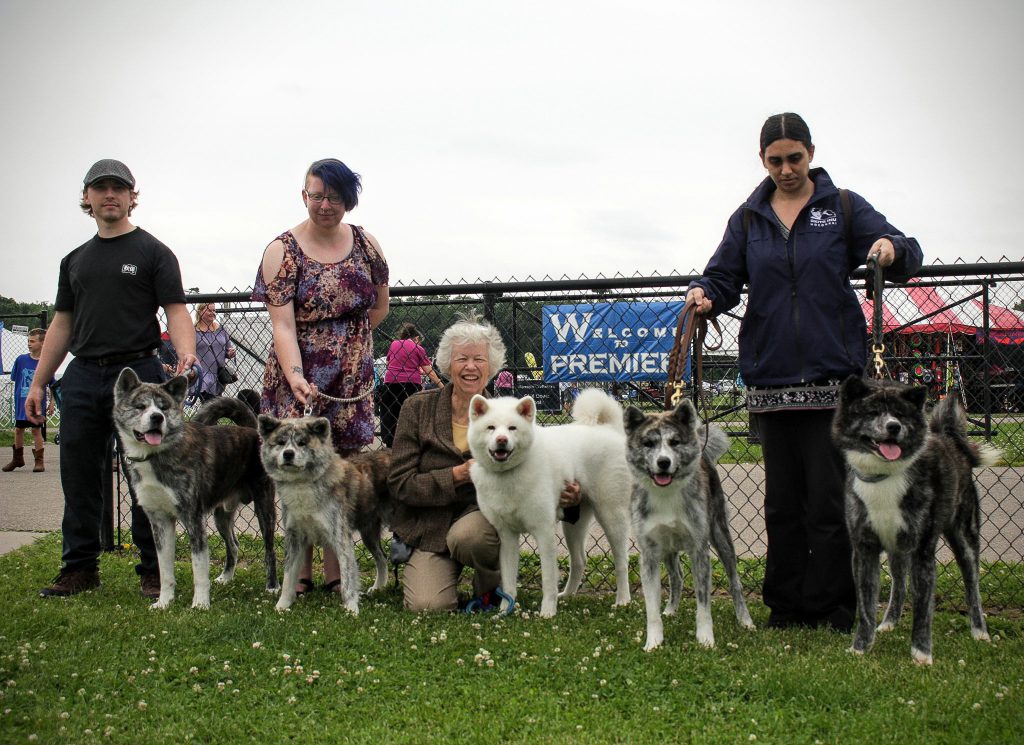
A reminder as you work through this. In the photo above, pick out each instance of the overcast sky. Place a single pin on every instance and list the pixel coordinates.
(501, 140)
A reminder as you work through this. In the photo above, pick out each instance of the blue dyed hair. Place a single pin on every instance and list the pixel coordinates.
(339, 177)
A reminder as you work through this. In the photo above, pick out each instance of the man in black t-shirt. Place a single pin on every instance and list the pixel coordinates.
(108, 293)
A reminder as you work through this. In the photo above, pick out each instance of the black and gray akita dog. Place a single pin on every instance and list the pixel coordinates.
(678, 505)
(908, 482)
(324, 497)
(185, 470)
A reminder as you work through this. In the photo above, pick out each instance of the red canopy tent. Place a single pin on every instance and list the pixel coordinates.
(942, 310)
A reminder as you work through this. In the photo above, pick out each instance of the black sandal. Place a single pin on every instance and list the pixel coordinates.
(303, 586)
(333, 586)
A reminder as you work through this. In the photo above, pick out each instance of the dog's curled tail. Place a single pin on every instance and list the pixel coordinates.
(224, 407)
(714, 441)
(594, 406)
(949, 419)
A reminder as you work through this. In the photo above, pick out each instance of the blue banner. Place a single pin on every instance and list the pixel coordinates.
(622, 341)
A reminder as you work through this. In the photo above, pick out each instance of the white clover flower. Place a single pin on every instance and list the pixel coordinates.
(141, 705)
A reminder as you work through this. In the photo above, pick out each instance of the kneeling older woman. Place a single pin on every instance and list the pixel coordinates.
(437, 514)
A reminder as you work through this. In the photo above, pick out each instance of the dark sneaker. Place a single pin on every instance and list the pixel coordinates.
(490, 602)
(150, 585)
(71, 582)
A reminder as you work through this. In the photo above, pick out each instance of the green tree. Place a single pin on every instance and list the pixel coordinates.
(10, 306)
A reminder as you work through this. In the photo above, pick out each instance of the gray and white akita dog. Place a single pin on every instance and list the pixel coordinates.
(678, 505)
(908, 482)
(324, 497)
(185, 470)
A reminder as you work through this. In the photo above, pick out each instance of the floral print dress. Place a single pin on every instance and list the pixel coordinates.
(333, 331)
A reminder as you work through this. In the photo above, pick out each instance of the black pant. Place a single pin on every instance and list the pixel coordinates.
(86, 426)
(809, 577)
(392, 396)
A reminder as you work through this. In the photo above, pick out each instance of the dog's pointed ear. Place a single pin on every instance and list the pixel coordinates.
(685, 414)
(527, 408)
(321, 427)
(632, 418)
(127, 381)
(916, 395)
(267, 425)
(477, 406)
(853, 388)
(178, 388)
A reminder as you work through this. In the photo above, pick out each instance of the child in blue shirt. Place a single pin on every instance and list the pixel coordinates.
(22, 372)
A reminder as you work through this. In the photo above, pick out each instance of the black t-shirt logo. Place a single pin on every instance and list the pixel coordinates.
(129, 269)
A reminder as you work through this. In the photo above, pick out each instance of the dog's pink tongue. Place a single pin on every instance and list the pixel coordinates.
(153, 438)
(889, 451)
(662, 479)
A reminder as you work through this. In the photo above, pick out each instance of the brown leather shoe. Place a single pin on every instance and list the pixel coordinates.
(17, 461)
(71, 582)
(150, 585)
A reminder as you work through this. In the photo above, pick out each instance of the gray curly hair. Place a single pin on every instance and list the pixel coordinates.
(470, 328)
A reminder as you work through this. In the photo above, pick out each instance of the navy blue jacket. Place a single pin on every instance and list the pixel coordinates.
(803, 321)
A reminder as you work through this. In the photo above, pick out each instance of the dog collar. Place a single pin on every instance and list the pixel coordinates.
(129, 460)
(872, 479)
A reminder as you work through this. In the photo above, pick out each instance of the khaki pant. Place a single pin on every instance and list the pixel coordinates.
(430, 580)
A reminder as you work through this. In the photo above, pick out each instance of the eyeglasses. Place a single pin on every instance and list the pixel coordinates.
(332, 198)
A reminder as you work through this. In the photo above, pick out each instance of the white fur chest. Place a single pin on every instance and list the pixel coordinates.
(665, 522)
(153, 496)
(515, 499)
(300, 501)
(882, 502)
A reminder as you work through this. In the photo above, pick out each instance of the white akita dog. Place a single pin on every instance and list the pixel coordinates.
(521, 468)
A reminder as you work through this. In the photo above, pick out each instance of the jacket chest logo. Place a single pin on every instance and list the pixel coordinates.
(129, 269)
(821, 218)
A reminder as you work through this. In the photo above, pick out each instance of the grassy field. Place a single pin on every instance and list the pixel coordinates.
(102, 667)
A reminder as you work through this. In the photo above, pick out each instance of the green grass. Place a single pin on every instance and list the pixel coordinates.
(102, 667)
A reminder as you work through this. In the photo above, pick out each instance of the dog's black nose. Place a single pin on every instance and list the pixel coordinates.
(893, 427)
(288, 456)
(664, 463)
(156, 418)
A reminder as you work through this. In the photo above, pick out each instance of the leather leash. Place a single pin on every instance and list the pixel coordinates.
(874, 284)
(690, 330)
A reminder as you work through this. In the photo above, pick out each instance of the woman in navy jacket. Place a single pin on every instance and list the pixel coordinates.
(794, 244)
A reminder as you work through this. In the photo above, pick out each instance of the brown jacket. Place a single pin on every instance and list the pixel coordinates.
(420, 480)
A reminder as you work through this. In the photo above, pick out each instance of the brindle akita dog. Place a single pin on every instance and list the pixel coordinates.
(324, 497)
(679, 505)
(908, 482)
(185, 470)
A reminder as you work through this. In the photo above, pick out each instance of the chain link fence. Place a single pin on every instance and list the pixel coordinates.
(957, 330)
